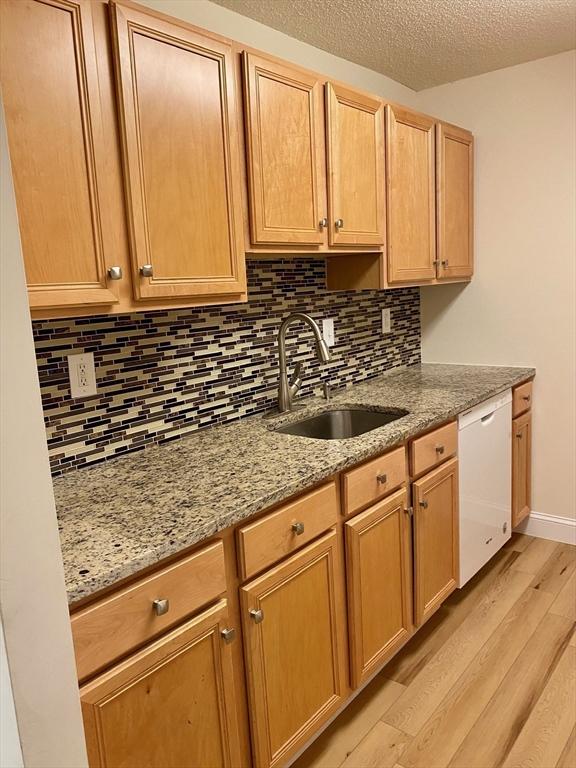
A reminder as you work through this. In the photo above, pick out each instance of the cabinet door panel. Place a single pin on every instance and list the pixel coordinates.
(411, 196)
(170, 706)
(378, 556)
(521, 467)
(54, 122)
(455, 168)
(178, 106)
(285, 143)
(295, 656)
(436, 542)
(355, 131)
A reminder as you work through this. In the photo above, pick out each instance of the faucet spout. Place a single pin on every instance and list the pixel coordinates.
(285, 390)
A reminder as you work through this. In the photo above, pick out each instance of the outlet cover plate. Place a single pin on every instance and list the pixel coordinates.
(386, 321)
(328, 331)
(82, 375)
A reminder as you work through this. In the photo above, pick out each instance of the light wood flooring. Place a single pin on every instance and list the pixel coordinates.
(489, 681)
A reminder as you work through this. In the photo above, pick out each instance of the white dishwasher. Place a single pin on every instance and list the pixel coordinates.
(485, 453)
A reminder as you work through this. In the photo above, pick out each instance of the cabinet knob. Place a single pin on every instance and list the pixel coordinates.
(298, 528)
(526, 397)
(146, 270)
(323, 223)
(382, 479)
(409, 511)
(115, 273)
(257, 615)
(228, 635)
(424, 504)
(161, 607)
(519, 435)
(339, 223)
(440, 450)
(444, 263)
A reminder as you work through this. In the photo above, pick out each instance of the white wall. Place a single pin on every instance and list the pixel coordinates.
(520, 309)
(33, 604)
(10, 750)
(224, 22)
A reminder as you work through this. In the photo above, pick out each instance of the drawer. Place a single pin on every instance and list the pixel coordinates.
(373, 480)
(432, 449)
(119, 623)
(521, 398)
(276, 535)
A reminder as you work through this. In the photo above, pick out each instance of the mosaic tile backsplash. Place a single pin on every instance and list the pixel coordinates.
(164, 374)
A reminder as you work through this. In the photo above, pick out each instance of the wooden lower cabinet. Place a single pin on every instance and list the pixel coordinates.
(379, 564)
(521, 467)
(171, 705)
(295, 648)
(436, 542)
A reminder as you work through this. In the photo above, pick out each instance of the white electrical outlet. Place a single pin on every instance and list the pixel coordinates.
(386, 321)
(82, 375)
(328, 331)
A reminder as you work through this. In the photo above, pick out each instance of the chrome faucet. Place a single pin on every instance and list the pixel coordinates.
(287, 388)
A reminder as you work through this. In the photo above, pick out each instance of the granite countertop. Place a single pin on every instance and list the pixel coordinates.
(126, 514)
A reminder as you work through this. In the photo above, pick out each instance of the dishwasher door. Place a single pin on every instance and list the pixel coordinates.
(485, 453)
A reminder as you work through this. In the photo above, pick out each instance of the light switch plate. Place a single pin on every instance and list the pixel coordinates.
(82, 375)
(386, 321)
(328, 331)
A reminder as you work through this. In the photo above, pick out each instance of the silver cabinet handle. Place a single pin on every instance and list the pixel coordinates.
(444, 263)
(161, 607)
(147, 270)
(228, 635)
(409, 511)
(115, 273)
(424, 504)
(382, 479)
(257, 615)
(323, 223)
(526, 397)
(519, 435)
(298, 528)
(339, 223)
(440, 449)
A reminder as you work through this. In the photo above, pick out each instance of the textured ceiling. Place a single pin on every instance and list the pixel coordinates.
(422, 43)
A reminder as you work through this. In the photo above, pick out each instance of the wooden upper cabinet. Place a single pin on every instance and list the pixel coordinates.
(55, 133)
(171, 705)
(379, 568)
(355, 136)
(521, 467)
(436, 539)
(410, 185)
(295, 648)
(285, 148)
(178, 111)
(455, 188)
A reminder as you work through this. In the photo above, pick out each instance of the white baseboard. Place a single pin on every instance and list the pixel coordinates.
(549, 527)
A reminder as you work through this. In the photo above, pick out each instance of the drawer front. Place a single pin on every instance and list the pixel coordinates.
(267, 540)
(521, 398)
(432, 449)
(374, 480)
(117, 624)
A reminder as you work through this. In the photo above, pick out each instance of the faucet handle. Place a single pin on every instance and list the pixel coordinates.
(296, 377)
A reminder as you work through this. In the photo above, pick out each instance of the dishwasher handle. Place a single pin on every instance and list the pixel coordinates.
(488, 418)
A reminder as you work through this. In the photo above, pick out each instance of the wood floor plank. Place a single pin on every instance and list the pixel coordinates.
(565, 603)
(551, 722)
(493, 735)
(518, 541)
(556, 571)
(419, 701)
(437, 742)
(568, 756)
(380, 748)
(535, 555)
(333, 746)
(441, 626)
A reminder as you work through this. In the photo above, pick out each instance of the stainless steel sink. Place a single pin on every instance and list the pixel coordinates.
(342, 424)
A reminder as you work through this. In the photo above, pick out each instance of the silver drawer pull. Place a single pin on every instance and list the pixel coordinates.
(228, 635)
(147, 270)
(339, 223)
(257, 615)
(382, 479)
(298, 528)
(519, 435)
(161, 607)
(440, 450)
(115, 273)
(323, 223)
(424, 504)
(526, 397)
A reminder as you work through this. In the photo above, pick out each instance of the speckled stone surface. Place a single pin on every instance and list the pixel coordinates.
(129, 513)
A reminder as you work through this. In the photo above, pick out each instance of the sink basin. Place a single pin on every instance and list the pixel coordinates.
(342, 424)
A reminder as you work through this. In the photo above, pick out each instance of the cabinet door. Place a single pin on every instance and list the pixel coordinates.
(54, 123)
(436, 543)
(410, 196)
(172, 705)
(379, 562)
(455, 189)
(180, 142)
(521, 467)
(355, 134)
(295, 637)
(285, 145)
